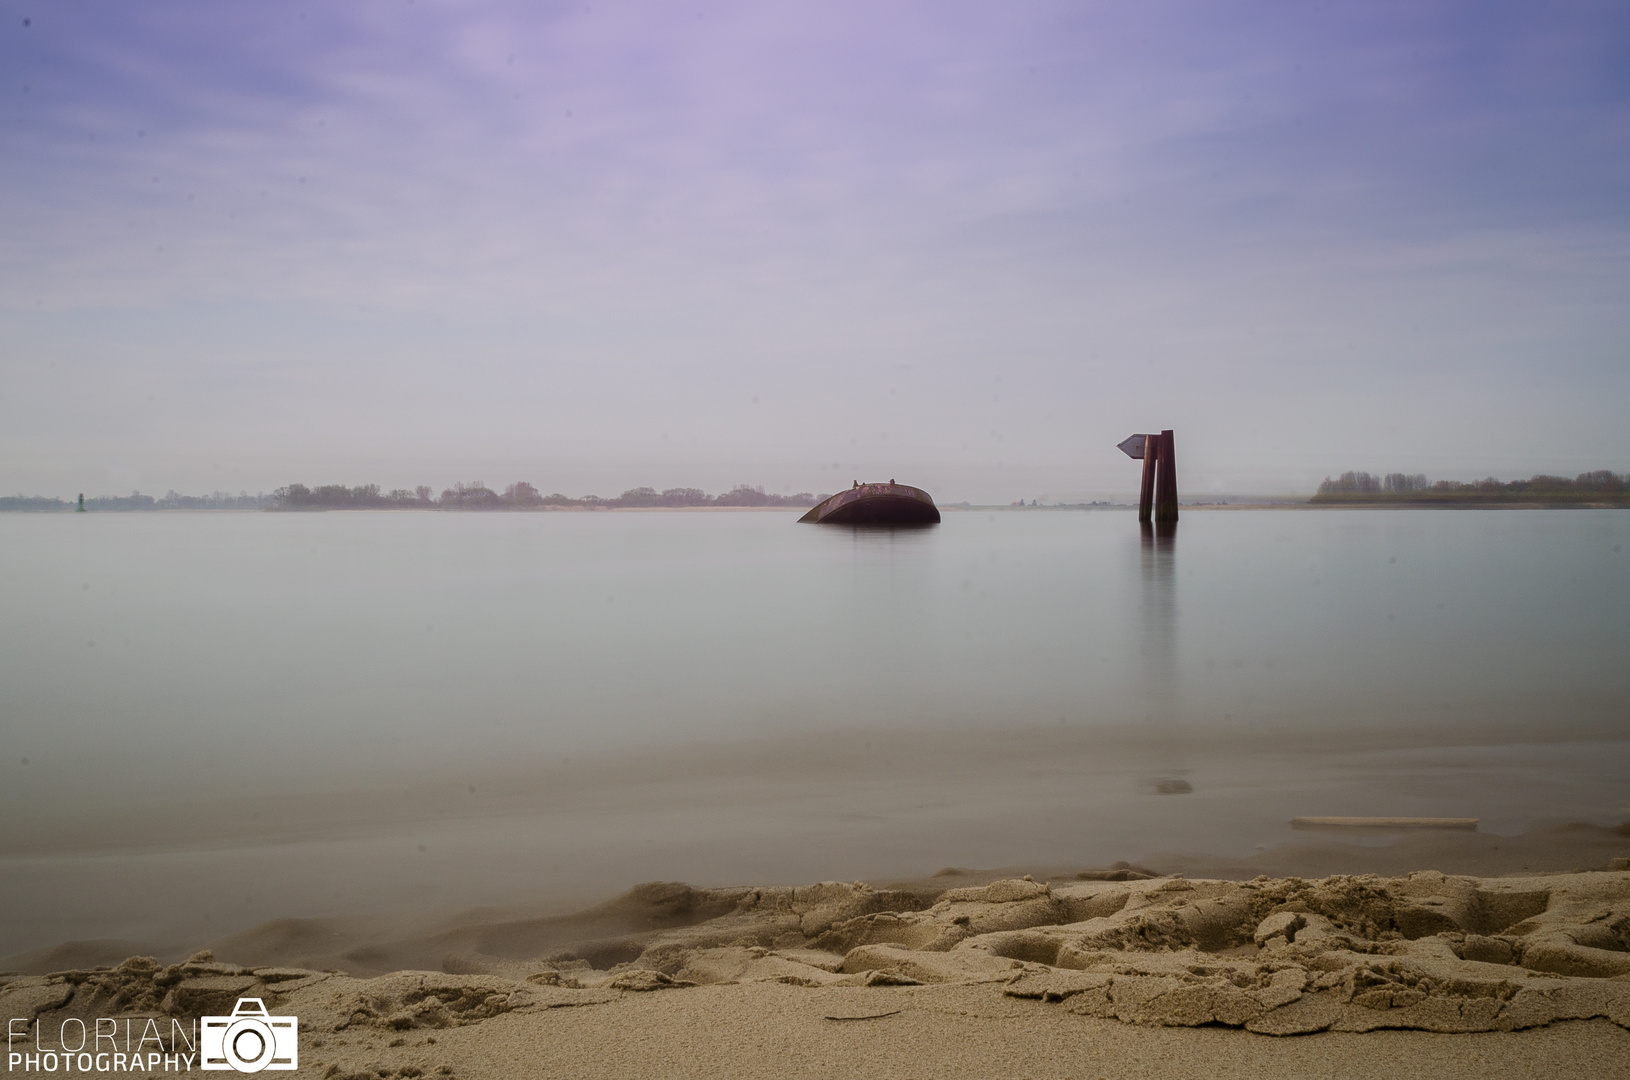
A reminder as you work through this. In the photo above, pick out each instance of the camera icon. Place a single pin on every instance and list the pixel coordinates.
(249, 1040)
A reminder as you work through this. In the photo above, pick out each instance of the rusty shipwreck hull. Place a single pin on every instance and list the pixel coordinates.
(876, 504)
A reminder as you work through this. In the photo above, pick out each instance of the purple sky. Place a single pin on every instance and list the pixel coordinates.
(972, 246)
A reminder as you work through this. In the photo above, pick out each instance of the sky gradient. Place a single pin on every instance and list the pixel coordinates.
(971, 246)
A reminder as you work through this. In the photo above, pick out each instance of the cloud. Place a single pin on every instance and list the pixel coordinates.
(655, 204)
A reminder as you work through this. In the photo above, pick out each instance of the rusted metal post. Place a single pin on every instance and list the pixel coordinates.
(1146, 494)
(1166, 479)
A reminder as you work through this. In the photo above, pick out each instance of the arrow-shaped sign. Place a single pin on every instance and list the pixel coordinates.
(1133, 446)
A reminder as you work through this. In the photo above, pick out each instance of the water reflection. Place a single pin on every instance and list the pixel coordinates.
(887, 535)
(1166, 769)
(888, 598)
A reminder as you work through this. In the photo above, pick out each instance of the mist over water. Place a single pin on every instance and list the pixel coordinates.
(245, 716)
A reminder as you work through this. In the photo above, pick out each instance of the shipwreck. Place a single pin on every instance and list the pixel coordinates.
(876, 504)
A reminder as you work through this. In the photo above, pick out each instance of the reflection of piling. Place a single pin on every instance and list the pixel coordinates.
(1162, 533)
(1165, 766)
(1166, 478)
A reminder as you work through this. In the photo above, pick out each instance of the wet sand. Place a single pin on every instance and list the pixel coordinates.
(181, 867)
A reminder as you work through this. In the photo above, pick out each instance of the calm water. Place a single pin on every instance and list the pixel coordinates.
(241, 716)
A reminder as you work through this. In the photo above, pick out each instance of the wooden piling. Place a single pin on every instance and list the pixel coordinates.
(1146, 494)
(1166, 477)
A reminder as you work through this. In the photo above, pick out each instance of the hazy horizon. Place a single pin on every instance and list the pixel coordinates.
(1126, 498)
(968, 247)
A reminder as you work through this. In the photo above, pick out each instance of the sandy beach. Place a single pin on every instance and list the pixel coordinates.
(1114, 971)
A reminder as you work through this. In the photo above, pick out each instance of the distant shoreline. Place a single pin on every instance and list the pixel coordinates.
(9, 505)
(461, 496)
(1413, 504)
(1599, 488)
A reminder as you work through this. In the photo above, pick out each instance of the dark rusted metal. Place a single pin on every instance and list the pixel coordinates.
(1166, 480)
(876, 504)
(1146, 492)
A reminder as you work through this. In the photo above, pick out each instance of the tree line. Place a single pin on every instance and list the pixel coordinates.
(170, 500)
(472, 496)
(1601, 485)
(517, 496)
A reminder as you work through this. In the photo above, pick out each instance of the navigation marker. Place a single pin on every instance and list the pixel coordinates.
(1158, 491)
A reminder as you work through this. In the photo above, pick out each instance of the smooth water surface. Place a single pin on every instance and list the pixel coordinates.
(241, 716)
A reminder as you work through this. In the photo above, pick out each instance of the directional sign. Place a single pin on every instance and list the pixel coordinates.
(1133, 446)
